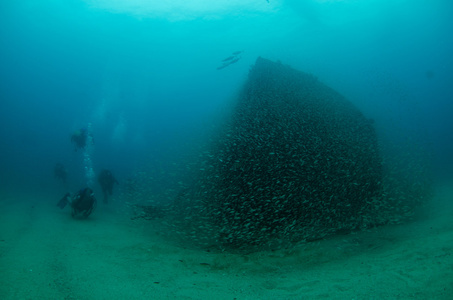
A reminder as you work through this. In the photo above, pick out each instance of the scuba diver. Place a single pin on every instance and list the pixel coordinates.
(106, 180)
(80, 138)
(60, 172)
(82, 203)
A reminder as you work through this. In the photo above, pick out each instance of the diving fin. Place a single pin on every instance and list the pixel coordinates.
(63, 201)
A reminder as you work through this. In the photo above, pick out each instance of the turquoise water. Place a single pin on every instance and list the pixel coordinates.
(153, 81)
(145, 76)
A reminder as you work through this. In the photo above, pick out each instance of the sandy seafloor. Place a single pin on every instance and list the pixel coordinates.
(45, 254)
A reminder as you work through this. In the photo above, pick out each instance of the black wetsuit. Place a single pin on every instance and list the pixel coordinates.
(83, 203)
(106, 180)
(60, 172)
(79, 138)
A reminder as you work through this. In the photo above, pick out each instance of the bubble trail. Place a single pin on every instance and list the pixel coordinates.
(87, 161)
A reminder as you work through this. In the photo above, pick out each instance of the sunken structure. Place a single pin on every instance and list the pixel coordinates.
(296, 161)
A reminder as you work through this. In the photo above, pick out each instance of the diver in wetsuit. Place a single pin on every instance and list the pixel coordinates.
(80, 138)
(60, 172)
(106, 180)
(82, 203)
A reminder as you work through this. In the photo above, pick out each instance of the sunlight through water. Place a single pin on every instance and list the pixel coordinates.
(178, 10)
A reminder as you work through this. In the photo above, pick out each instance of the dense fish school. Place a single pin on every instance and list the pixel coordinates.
(296, 162)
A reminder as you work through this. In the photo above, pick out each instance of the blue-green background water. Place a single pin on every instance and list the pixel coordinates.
(145, 76)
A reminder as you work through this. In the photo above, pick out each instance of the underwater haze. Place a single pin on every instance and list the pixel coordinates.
(152, 82)
(144, 73)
